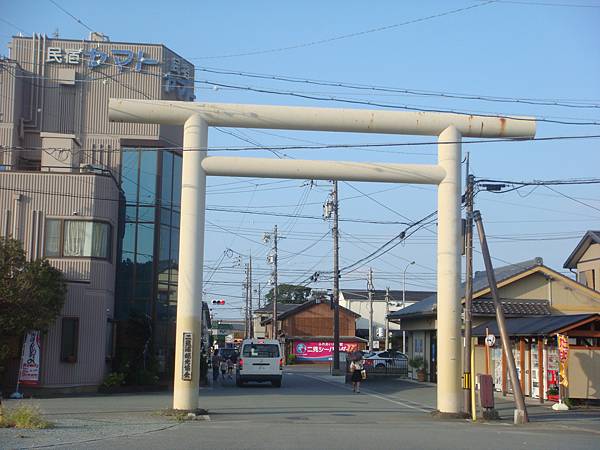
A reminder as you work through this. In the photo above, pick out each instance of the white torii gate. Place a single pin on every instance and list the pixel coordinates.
(197, 117)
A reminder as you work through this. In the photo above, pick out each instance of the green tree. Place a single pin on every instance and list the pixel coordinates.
(289, 293)
(32, 295)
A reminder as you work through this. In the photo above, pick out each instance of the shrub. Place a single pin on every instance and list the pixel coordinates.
(114, 379)
(23, 416)
(418, 363)
(291, 359)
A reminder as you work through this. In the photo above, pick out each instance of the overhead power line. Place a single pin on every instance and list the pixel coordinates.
(417, 92)
(348, 35)
(393, 106)
(76, 19)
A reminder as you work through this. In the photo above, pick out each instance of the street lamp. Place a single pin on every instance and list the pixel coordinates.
(404, 304)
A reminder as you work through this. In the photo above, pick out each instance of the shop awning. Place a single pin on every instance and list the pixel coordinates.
(536, 326)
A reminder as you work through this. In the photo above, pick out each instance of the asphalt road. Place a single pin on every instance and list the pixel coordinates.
(311, 411)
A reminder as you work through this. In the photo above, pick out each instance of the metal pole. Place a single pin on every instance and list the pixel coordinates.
(387, 322)
(370, 288)
(246, 327)
(274, 329)
(404, 303)
(449, 395)
(191, 259)
(467, 377)
(250, 321)
(336, 284)
(521, 412)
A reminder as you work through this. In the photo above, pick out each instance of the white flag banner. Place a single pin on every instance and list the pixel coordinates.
(30, 359)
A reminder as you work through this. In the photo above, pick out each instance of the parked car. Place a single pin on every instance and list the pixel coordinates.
(385, 359)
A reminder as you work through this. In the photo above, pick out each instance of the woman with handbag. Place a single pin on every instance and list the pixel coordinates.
(357, 369)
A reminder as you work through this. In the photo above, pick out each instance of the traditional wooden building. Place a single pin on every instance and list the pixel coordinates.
(308, 330)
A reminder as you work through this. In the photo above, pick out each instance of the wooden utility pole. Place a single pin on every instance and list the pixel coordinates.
(370, 289)
(335, 300)
(521, 411)
(467, 377)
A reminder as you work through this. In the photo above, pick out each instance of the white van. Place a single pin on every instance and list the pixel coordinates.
(260, 360)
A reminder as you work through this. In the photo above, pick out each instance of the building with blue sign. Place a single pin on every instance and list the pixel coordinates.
(100, 200)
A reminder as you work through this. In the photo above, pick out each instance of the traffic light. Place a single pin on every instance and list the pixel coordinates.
(218, 302)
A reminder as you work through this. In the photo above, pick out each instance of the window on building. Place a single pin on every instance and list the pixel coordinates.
(587, 278)
(77, 239)
(69, 339)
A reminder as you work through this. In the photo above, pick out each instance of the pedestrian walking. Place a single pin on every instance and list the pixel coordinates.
(215, 366)
(230, 366)
(357, 368)
(223, 369)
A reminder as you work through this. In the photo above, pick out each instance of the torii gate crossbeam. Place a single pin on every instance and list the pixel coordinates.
(197, 117)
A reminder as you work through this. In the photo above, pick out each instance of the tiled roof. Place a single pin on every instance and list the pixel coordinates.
(281, 307)
(428, 305)
(301, 307)
(485, 307)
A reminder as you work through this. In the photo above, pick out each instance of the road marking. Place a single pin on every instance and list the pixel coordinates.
(376, 395)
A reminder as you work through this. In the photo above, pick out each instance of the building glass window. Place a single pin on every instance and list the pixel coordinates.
(69, 339)
(52, 238)
(147, 273)
(77, 239)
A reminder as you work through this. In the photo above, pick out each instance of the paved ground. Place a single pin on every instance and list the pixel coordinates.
(312, 410)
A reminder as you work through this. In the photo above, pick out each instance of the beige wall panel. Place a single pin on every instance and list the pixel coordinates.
(534, 286)
(89, 368)
(568, 300)
(584, 373)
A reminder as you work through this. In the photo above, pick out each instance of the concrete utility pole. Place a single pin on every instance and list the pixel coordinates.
(258, 292)
(195, 118)
(404, 303)
(331, 209)
(387, 322)
(274, 324)
(246, 308)
(250, 320)
(467, 376)
(370, 289)
(521, 411)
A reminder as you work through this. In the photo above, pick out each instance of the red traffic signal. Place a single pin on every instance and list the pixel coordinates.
(218, 302)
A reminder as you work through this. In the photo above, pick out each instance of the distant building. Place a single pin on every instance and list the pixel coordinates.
(358, 301)
(100, 200)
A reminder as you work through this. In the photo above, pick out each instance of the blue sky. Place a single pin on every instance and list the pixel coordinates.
(502, 49)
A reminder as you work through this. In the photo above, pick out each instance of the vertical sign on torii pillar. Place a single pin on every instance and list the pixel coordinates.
(197, 117)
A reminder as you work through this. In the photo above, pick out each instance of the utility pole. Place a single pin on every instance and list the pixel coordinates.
(272, 259)
(258, 292)
(246, 327)
(387, 322)
(331, 209)
(370, 289)
(250, 318)
(521, 411)
(404, 303)
(467, 369)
